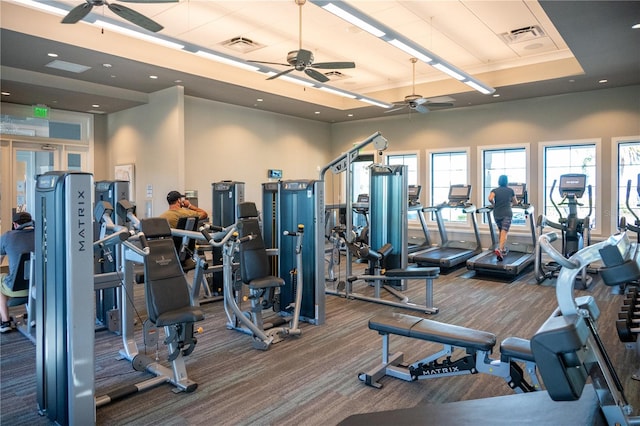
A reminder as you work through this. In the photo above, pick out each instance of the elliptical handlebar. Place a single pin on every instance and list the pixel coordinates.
(545, 241)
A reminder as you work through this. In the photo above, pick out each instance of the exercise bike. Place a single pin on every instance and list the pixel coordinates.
(575, 231)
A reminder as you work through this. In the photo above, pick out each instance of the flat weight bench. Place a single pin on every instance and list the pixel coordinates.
(477, 345)
(413, 273)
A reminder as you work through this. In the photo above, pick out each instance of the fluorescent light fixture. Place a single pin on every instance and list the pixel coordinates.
(138, 35)
(374, 102)
(479, 88)
(410, 50)
(362, 20)
(43, 6)
(353, 20)
(338, 92)
(293, 80)
(226, 60)
(445, 69)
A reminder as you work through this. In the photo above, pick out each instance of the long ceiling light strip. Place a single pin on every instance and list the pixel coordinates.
(372, 26)
(127, 29)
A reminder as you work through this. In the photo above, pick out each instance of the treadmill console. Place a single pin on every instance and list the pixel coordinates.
(520, 191)
(414, 195)
(459, 195)
(572, 185)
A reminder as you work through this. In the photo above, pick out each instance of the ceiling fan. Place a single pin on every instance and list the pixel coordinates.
(418, 103)
(83, 9)
(302, 60)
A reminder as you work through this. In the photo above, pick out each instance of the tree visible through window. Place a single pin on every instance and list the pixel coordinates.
(628, 170)
(510, 162)
(448, 168)
(565, 159)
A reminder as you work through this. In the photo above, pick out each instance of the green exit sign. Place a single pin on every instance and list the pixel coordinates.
(41, 111)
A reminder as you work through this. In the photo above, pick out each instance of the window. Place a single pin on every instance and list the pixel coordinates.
(560, 159)
(411, 161)
(628, 170)
(448, 168)
(511, 162)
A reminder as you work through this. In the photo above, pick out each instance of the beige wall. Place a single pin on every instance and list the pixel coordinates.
(151, 137)
(602, 114)
(186, 143)
(226, 142)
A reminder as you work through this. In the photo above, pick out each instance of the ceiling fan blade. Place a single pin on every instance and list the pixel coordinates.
(395, 109)
(440, 104)
(420, 101)
(150, 1)
(77, 13)
(333, 65)
(281, 73)
(135, 17)
(316, 75)
(421, 108)
(269, 63)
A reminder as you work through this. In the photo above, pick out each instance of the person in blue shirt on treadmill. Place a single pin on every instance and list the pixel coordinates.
(502, 198)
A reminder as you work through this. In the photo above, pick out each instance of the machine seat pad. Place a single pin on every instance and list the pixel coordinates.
(180, 316)
(433, 331)
(415, 273)
(266, 282)
(515, 347)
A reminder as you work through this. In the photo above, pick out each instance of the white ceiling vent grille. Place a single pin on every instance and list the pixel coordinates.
(523, 34)
(336, 75)
(242, 44)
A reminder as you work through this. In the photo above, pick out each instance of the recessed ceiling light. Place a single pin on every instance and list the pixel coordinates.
(636, 27)
(107, 65)
(53, 55)
(5, 93)
(496, 95)
(349, 115)
(317, 112)
(259, 99)
(603, 81)
(572, 81)
(95, 106)
(177, 81)
(154, 77)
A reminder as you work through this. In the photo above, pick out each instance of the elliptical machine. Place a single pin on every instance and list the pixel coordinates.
(576, 231)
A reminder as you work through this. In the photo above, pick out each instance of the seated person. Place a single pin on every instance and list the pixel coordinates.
(21, 239)
(179, 207)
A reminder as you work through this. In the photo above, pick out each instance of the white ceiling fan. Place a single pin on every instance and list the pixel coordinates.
(417, 103)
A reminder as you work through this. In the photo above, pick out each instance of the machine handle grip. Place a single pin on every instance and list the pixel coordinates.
(545, 241)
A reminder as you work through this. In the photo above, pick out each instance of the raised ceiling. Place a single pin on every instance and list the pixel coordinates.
(566, 46)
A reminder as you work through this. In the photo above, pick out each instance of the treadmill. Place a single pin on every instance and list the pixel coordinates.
(520, 255)
(416, 206)
(450, 254)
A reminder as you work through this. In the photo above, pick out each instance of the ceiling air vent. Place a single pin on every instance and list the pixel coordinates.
(336, 75)
(242, 44)
(523, 34)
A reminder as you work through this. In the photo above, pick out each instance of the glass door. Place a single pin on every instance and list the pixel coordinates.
(29, 162)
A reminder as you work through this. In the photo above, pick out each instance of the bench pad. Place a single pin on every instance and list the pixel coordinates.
(433, 331)
(515, 347)
(429, 272)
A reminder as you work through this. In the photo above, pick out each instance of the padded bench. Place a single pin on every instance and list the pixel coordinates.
(477, 346)
(433, 331)
(412, 273)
